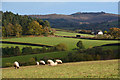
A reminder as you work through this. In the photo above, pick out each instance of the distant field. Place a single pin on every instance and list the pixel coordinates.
(62, 33)
(70, 42)
(87, 69)
(26, 58)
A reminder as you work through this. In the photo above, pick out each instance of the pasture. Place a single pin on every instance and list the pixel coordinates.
(70, 42)
(62, 33)
(87, 69)
(26, 58)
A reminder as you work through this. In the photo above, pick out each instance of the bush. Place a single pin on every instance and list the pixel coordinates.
(32, 61)
(105, 36)
(27, 50)
(61, 47)
(80, 45)
(44, 49)
(24, 63)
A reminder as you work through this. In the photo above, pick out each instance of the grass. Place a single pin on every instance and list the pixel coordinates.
(88, 69)
(62, 33)
(26, 58)
(111, 47)
(70, 42)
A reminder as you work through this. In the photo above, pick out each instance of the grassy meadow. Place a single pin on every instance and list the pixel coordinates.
(70, 42)
(87, 69)
(62, 33)
(25, 58)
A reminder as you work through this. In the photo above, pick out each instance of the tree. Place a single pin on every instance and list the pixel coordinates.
(46, 24)
(17, 51)
(80, 45)
(115, 32)
(105, 32)
(34, 28)
(61, 47)
(17, 25)
(17, 30)
(9, 30)
(3, 32)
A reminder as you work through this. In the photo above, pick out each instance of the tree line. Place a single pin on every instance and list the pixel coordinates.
(18, 25)
(16, 51)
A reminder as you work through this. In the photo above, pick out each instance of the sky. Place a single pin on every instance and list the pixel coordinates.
(60, 0)
(67, 8)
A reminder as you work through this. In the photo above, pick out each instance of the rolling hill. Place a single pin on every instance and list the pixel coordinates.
(91, 21)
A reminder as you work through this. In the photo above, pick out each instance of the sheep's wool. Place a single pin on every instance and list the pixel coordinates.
(100, 32)
(16, 63)
(42, 62)
(37, 63)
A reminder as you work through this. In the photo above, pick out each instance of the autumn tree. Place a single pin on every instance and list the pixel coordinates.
(9, 30)
(17, 30)
(115, 32)
(34, 28)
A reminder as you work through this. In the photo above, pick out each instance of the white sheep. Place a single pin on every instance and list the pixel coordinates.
(37, 63)
(59, 61)
(53, 64)
(42, 62)
(49, 61)
(16, 65)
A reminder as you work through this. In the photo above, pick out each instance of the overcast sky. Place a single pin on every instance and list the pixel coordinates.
(43, 8)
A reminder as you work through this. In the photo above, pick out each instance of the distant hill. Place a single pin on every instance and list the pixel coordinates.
(92, 21)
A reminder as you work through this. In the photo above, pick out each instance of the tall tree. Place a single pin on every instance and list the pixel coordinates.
(17, 30)
(34, 28)
(9, 30)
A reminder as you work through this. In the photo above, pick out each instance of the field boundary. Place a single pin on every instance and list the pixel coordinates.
(88, 38)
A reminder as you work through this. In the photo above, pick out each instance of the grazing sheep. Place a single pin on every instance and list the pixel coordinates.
(42, 62)
(16, 65)
(37, 63)
(49, 61)
(53, 64)
(59, 61)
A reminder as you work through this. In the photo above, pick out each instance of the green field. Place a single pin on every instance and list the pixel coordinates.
(70, 42)
(88, 69)
(26, 58)
(62, 33)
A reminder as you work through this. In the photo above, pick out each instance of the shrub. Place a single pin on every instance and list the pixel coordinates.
(44, 49)
(80, 45)
(61, 47)
(88, 57)
(24, 63)
(32, 61)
